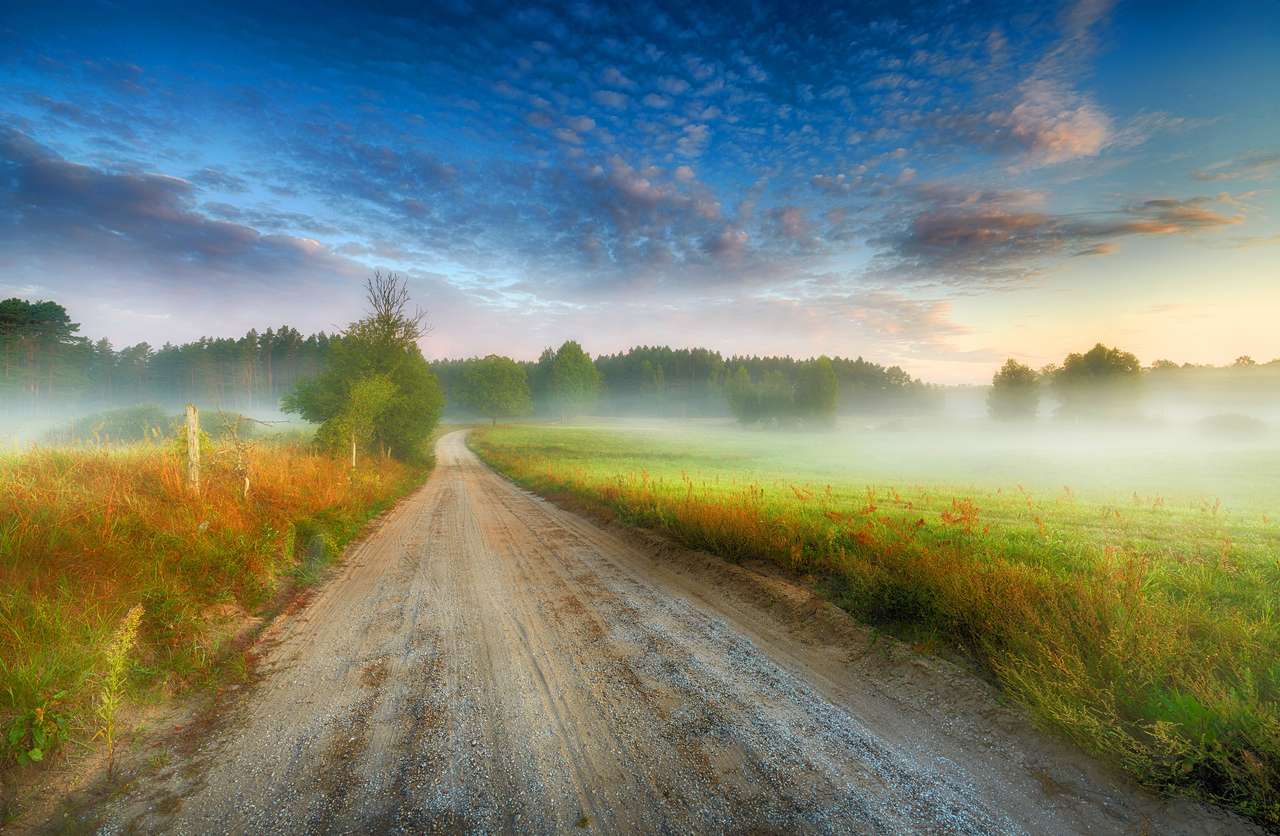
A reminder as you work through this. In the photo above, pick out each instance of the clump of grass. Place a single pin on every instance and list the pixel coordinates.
(1148, 634)
(88, 533)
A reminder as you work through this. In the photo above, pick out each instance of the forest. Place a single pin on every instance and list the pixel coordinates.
(47, 365)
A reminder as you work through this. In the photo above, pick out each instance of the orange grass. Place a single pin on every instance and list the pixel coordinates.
(85, 534)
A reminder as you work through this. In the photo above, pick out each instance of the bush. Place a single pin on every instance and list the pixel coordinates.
(147, 422)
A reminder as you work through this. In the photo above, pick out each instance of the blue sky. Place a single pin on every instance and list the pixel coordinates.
(935, 185)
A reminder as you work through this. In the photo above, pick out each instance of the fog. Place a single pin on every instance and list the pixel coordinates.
(1189, 445)
(1178, 463)
(22, 426)
(1185, 450)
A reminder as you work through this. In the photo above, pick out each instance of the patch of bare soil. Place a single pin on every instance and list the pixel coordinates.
(489, 661)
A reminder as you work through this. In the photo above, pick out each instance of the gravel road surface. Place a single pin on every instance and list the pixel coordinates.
(486, 661)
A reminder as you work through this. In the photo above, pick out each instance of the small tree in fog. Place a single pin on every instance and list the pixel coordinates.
(497, 387)
(575, 381)
(1102, 382)
(1015, 392)
(383, 344)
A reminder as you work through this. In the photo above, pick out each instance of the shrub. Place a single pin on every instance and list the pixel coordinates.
(147, 422)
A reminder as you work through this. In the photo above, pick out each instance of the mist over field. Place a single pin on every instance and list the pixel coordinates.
(1177, 461)
(1193, 432)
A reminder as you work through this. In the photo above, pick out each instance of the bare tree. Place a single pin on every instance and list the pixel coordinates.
(388, 297)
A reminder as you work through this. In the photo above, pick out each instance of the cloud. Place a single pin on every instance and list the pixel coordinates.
(672, 85)
(613, 77)
(1052, 120)
(611, 99)
(1257, 165)
(838, 184)
(895, 317)
(699, 69)
(990, 237)
(791, 222)
(219, 180)
(693, 140)
(729, 244)
(1038, 114)
(1105, 248)
(1055, 125)
(567, 136)
(63, 212)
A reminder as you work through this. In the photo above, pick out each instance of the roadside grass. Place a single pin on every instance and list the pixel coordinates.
(87, 534)
(1144, 626)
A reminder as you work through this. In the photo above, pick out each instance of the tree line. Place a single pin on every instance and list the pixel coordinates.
(1107, 382)
(46, 363)
(661, 381)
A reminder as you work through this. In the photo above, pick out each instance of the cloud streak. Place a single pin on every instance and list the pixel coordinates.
(996, 238)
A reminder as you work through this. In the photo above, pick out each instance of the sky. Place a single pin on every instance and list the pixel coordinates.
(934, 185)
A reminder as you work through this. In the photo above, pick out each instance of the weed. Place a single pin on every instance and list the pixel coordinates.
(37, 731)
(111, 692)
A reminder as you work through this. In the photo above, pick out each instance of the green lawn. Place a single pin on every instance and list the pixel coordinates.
(1123, 588)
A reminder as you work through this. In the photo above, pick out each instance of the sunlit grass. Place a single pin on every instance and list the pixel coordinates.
(86, 534)
(1142, 625)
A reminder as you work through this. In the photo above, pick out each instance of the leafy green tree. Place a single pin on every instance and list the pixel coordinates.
(1015, 392)
(816, 391)
(575, 382)
(383, 343)
(355, 424)
(540, 382)
(497, 387)
(1102, 382)
(38, 347)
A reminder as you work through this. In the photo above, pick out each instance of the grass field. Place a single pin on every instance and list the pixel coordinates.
(86, 534)
(1123, 589)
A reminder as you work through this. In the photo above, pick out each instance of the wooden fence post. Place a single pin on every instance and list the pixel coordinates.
(193, 448)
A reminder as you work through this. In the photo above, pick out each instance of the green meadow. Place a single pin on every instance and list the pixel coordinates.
(1121, 586)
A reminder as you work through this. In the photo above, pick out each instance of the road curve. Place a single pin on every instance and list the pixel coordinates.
(486, 661)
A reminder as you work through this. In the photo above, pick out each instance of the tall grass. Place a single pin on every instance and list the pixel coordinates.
(1146, 632)
(87, 534)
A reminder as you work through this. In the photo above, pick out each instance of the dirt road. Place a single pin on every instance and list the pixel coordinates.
(487, 661)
